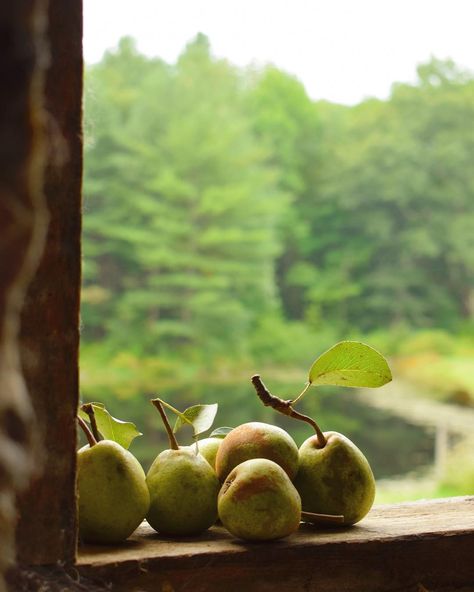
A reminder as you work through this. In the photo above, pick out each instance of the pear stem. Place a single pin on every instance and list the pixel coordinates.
(285, 407)
(322, 518)
(89, 409)
(85, 428)
(172, 438)
(174, 410)
(303, 392)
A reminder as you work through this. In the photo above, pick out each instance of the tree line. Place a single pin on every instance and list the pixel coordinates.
(228, 214)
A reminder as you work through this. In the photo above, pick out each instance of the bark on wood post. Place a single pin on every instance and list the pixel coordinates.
(23, 221)
(50, 320)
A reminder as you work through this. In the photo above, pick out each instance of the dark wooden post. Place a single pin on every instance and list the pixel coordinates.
(23, 221)
(50, 320)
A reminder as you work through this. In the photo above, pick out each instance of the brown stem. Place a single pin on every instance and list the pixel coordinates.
(85, 428)
(322, 518)
(285, 407)
(89, 409)
(172, 438)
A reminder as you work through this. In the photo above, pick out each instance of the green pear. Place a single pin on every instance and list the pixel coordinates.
(257, 440)
(183, 493)
(112, 491)
(259, 502)
(208, 447)
(335, 478)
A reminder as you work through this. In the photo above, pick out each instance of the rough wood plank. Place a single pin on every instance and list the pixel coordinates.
(49, 579)
(22, 230)
(50, 322)
(395, 548)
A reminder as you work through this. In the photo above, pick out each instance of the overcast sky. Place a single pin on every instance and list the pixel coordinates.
(342, 50)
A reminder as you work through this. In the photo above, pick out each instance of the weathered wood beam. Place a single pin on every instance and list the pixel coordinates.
(50, 579)
(50, 319)
(412, 547)
(23, 221)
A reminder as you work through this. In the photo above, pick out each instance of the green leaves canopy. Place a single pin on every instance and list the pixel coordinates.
(181, 207)
(221, 201)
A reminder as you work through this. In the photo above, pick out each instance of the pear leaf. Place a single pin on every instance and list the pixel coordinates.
(220, 432)
(200, 416)
(111, 428)
(350, 363)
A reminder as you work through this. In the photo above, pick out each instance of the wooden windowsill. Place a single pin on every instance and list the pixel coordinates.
(417, 546)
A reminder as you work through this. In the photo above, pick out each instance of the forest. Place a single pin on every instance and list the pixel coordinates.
(233, 224)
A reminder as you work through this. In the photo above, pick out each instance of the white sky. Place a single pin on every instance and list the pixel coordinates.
(342, 50)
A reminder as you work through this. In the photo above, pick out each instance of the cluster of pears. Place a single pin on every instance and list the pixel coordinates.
(255, 479)
(270, 485)
(244, 486)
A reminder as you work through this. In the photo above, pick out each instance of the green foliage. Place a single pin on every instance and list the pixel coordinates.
(122, 432)
(459, 475)
(390, 241)
(430, 341)
(277, 340)
(225, 209)
(181, 209)
(350, 363)
(201, 417)
(287, 124)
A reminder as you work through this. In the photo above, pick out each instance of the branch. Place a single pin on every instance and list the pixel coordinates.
(285, 407)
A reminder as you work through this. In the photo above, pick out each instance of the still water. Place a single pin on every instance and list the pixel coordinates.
(393, 446)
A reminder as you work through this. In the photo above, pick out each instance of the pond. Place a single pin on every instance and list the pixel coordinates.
(393, 446)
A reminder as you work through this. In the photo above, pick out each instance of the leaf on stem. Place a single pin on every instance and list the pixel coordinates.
(111, 428)
(200, 416)
(350, 363)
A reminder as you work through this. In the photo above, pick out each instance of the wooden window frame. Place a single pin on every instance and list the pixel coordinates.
(422, 546)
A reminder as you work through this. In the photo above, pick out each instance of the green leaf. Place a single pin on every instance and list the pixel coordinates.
(111, 428)
(220, 432)
(350, 363)
(200, 416)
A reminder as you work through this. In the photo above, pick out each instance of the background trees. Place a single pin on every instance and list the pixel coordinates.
(396, 207)
(226, 212)
(181, 207)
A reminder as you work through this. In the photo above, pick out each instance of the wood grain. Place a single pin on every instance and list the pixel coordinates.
(50, 320)
(395, 548)
(23, 222)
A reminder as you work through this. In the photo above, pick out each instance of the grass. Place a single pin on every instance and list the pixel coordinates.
(414, 488)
